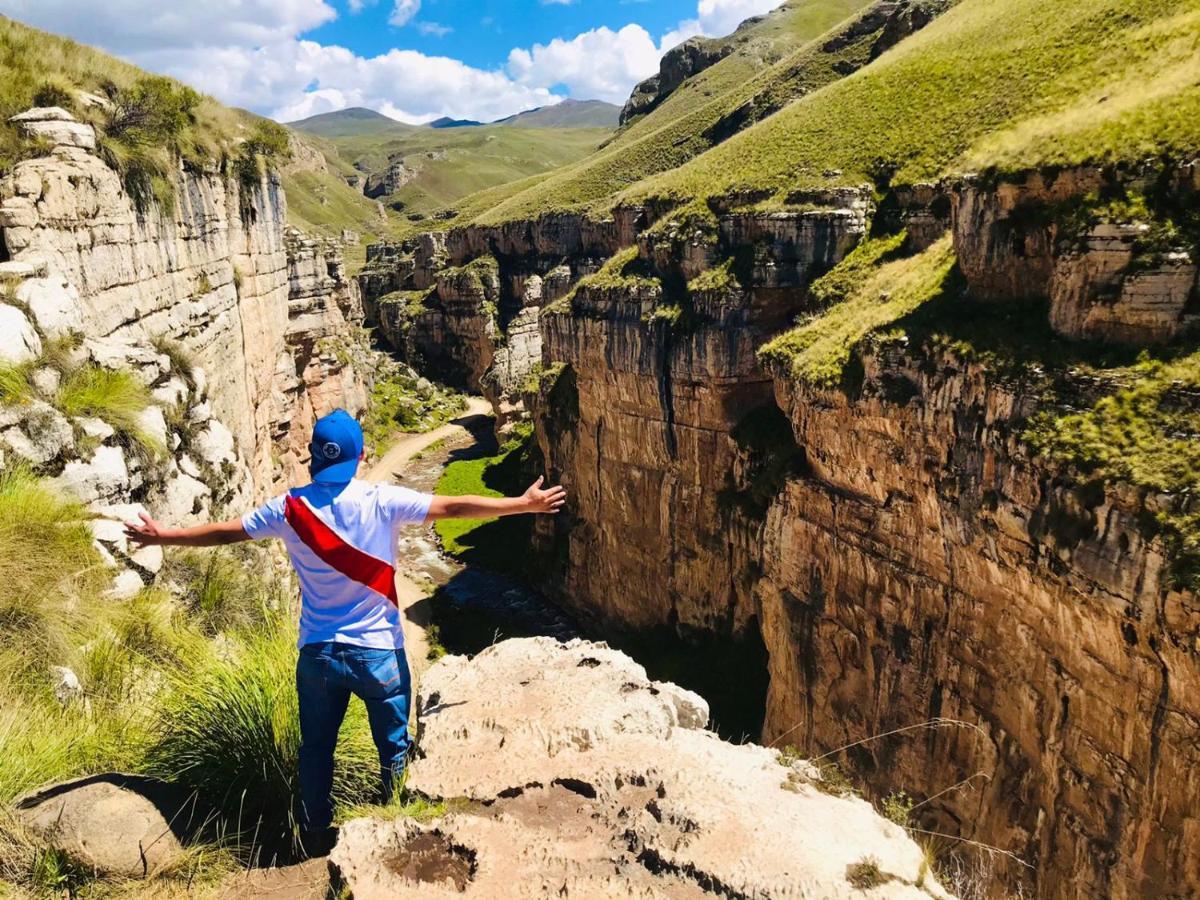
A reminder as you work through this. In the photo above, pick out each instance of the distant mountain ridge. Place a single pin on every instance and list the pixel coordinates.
(357, 120)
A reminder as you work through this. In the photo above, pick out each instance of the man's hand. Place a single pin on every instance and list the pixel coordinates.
(549, 501)
(146, 532)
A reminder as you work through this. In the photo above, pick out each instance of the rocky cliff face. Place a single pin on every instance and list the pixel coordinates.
(570, 773)
(238, 331)
(901, 551)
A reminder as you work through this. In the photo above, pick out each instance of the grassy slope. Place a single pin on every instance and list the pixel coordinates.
(673, 133)
(568, 114)
(1008, 84)
(30, 59)
(476, 158)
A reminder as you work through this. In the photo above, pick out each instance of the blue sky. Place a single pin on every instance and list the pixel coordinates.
(485, 31)
(414, 60)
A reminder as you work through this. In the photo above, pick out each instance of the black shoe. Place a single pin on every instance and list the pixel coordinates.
(317, 841)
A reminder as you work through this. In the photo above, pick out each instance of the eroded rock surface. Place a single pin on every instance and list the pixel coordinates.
(577, 776)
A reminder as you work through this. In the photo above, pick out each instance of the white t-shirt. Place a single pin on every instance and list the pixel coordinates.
(367, 517)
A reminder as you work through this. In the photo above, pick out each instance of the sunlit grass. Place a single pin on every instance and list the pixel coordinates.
(866, 295)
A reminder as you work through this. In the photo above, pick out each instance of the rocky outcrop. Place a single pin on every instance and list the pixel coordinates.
(677, 65)
(325, 363)
(1094, 241)
(584, 778)
(395, 176)
(897, 547)
(212, 274)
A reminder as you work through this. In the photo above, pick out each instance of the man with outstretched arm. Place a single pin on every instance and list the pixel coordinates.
(341, 535)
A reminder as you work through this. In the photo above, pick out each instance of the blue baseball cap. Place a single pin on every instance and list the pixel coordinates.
(337, 445)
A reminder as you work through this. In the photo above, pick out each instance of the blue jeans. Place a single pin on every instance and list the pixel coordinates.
(326, 676)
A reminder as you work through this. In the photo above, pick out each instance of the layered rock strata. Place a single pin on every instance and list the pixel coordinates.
(569, 773)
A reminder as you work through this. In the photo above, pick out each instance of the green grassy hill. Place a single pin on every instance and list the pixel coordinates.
(568, 114)
(454, 162)
(1009, 85)
(677, 129)
(349, 123)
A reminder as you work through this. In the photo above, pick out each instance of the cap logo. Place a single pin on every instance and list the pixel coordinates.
(331, 451)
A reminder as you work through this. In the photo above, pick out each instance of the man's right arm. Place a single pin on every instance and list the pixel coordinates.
(216, 534)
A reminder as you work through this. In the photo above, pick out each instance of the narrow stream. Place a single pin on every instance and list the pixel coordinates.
(474, 608)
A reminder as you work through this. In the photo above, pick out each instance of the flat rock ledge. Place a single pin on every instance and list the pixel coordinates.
(571, 774)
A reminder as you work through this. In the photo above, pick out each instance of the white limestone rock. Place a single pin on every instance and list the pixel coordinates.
(66, 685)
(22, 268)
(42, 436)
(108, 528)
(97, 429)
(56, 125)
(215, 444)
(125, 353)
(46, 381)
(174, 392)
(125, 584)
(19, 341)
(183, 499)
(54, 304)
(104, 477)
(597, 782)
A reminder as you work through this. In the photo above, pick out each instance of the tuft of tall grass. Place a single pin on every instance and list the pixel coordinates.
(48, 565)
(228, 729)
(117, 397)
(220, 590)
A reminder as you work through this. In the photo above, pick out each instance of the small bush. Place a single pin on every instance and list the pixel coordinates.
(153, 111)
(866, 874)
(54, 93)
(117, 397)
(897, 807)
(228, 729)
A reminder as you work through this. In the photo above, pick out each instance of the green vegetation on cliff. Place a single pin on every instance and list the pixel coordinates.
(870, 290)
(1145, 432)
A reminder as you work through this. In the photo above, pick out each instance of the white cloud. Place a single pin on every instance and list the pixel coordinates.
(433, 29)
(600, 64)
(251, 53)
(403, 12)
(130, 26)
(720, 17)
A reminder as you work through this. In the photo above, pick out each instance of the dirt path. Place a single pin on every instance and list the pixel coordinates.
(410, 594)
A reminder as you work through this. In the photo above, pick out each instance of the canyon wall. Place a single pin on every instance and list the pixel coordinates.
(900, 550)
(239, 331)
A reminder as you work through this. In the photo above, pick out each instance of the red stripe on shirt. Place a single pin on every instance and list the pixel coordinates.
(335, 552)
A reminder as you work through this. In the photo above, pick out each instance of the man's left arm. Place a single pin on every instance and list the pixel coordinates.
(535, 500)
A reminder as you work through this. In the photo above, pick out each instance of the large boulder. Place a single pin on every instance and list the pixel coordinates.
(117, 825)
(591, 780)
